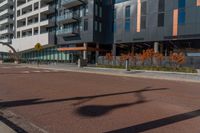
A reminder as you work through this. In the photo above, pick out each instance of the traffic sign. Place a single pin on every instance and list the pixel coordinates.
(38, 47)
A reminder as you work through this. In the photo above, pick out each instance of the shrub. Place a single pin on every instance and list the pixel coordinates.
(177, 58)
(109, 57)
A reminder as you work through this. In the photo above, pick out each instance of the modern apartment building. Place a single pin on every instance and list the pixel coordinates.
(72, 29)
(34, 22)
(6, 23)
(67, 29)
(163, 24)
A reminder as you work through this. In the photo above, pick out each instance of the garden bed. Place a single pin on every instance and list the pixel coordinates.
(154, 68)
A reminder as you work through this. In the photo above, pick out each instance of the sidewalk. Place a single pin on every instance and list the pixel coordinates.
(5, 126)
(174, 76)
(5, 129)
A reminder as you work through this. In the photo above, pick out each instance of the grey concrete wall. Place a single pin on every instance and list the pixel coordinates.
(190, 30)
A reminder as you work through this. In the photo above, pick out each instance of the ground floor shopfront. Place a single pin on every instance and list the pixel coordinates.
(66, 54)
(91, 51)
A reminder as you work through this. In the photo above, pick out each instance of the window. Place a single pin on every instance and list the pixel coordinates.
(115, 22)
(161, 13)
(96, 10)
(127, 25)
(143, 22)
(114, 27)
(100, 27)
(181, 13)
(96, 26)
(36, 6)
(127, 12)
(181, 17)
(85, 24)
(181, 3)
(161, 17)
(143, 14)
(100, 12)
(127, 18)
(161, 6)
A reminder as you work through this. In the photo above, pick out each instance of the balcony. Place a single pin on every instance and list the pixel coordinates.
(6, 40)
(43, 10)
(69, 18)
(6, 21)
(6, 31)
(6, 12)
(5, 4)
(68, 32)
(72, 3)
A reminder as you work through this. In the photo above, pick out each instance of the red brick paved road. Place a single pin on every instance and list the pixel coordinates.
(67, 102)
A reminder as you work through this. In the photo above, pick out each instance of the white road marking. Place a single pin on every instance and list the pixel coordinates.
(36, 71)
(47, 71)
(6, 67)
(25, 72)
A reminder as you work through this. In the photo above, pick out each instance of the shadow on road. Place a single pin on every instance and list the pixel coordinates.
(100, 110)
(36, 101)
(158, 123)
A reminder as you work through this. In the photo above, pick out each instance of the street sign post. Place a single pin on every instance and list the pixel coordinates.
(38, 48)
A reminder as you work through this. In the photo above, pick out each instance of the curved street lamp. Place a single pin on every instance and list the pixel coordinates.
(16, 57)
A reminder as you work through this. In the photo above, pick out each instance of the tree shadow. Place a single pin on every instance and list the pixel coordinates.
(158, 123)
(81, 99)
(100, 110)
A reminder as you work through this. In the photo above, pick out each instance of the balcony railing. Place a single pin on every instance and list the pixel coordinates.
(72, 3)
(68, 31)
(69, 17)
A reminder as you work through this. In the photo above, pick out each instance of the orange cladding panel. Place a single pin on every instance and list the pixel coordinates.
(138, 15)
(175, 22)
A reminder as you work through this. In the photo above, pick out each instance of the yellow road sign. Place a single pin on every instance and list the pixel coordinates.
(38, 47)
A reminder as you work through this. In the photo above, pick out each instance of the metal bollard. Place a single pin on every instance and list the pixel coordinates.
(127, 65)
(79, 63)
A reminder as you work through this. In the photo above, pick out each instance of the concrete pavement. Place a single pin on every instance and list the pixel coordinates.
(5, 129)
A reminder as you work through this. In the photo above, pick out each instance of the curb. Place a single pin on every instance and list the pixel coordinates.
(118, 74)
(149, 71)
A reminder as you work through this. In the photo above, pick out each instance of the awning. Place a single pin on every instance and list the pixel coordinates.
(79, 49)
(72, 49)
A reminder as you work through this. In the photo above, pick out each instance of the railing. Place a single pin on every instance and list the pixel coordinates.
(68, 31)
(69, 15)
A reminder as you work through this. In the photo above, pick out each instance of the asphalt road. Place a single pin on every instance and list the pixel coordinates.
(69, 102)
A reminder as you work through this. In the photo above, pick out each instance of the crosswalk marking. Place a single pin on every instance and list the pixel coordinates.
(25, 72)
(38, 71)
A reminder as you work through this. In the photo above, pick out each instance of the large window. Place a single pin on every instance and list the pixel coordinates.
(85, 24)
(161, 13)
(127, 19)
(115, 22)
(143, 14)
(181, 13)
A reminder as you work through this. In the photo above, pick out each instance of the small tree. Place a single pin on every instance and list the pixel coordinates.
(133, 58)
(142, 57)
(159, 57)
(124, 57)
(177, 58)
(109, 57)
(149, 55)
